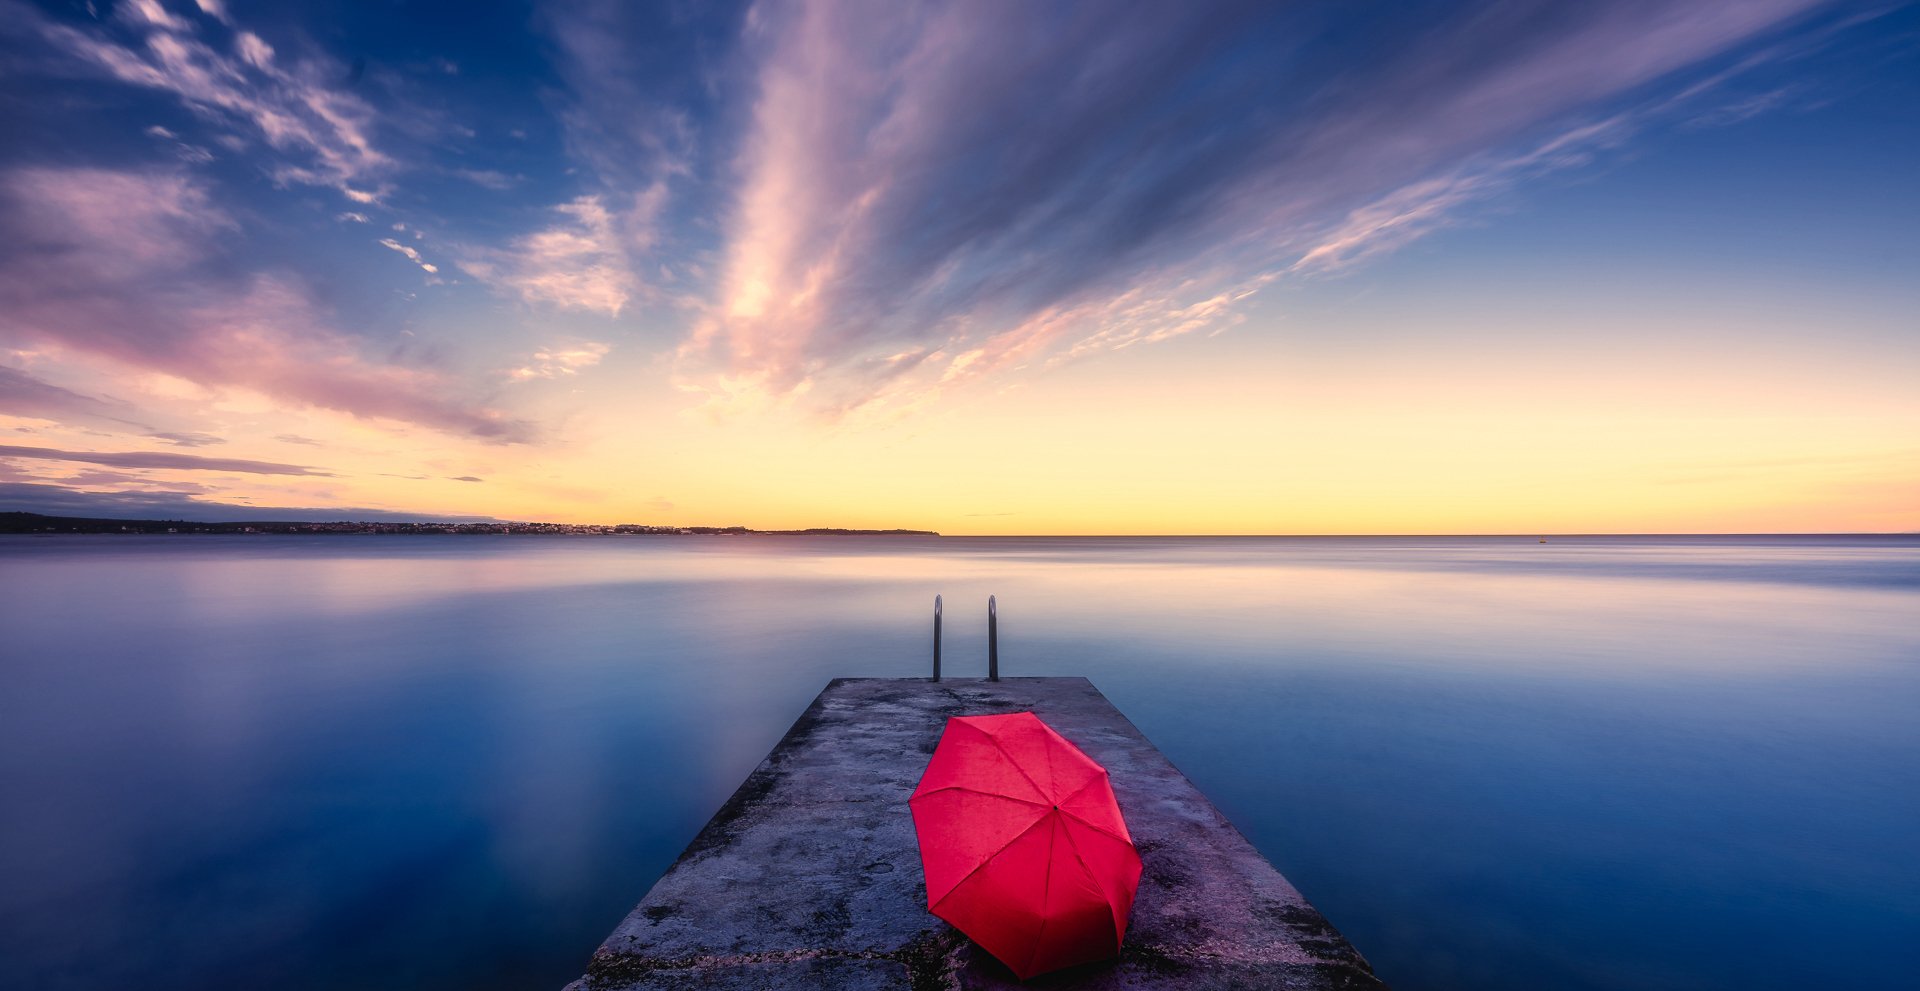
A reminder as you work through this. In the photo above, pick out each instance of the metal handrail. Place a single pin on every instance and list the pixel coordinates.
(993, 640)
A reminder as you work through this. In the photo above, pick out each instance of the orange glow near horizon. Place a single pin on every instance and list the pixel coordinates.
(1468, 272)
(1231, 435)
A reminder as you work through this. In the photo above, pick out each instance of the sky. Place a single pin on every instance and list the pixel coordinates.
(982, 267)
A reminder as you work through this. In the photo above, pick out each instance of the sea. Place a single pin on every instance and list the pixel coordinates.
(456, 762)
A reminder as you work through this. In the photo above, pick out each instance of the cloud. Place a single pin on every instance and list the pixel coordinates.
(215, 9)
(555, 362)
(22, 394)
(642, 84)
(296, 439)
(932, 194)
(1406, 214)
(464, 478)
(150, 12)
(187, 438)
(132, 267)
(487, 178)
(1749, 107)
(104, 226)
(578, 264)
(159, 459)
(130, 481)
(639, 81)
(190, 153)
(184, 504)
(233, 78)
(412, 254)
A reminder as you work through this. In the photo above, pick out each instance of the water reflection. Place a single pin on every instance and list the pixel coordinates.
(390, 762)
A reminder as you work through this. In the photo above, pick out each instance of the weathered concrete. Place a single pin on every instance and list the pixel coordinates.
(809, 877)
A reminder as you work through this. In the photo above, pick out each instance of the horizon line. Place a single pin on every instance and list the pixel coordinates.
(905, 531)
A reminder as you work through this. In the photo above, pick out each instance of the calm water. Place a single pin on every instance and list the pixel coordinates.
(443, 762)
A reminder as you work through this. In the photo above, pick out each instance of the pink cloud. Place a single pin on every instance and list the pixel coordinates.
(293, 105)
(412, 254)
(931, 195)
(110, 264)
(581, 263)
(23, 394)
(560, 361)
(158, 459)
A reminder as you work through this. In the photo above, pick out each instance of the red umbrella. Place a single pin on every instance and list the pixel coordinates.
(1023, 845)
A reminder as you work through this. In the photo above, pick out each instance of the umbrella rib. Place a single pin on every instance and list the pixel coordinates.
(1095, 878)
(976, 791)
(1042, 792)
(1046, 889)
(1090, 825)
(984, 861)
(1096, 827)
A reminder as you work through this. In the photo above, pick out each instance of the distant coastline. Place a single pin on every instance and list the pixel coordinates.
(12, 522)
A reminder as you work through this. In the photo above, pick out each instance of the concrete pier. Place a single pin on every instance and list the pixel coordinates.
(809, 876)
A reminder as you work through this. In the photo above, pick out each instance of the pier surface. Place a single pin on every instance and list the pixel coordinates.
(809, 876)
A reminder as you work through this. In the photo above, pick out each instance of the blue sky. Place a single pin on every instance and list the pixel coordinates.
(503, 242)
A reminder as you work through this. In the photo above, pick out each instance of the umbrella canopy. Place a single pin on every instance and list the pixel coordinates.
(1023, 844)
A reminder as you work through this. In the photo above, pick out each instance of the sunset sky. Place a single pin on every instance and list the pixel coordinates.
(981, 267)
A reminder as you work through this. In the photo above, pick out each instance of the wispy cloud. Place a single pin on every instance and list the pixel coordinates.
(1404, 215)
(1748, 107)
(132, 267)
(642, 86)
(215, 9)
(412, 253)
(159, 459)
(580, 263)
(22, 394)
(933, 193)
(556, 362)
(190, 153)
(233, 78)
(630, 124)
(488, 178)
(184, 502)
(186, 438)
